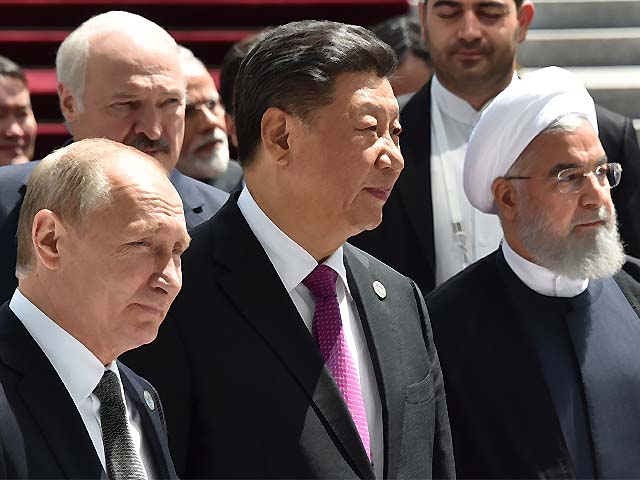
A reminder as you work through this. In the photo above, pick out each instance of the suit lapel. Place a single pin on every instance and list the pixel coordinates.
(382, 335)
(414, 183)
(48, 401)
(192, 199)
(254, 287)
(152, 429)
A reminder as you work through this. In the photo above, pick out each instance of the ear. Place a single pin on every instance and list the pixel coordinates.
(68, 104)
(275, 130)
(46, 231)
(525, 16)
(506, 198)
(230, 123)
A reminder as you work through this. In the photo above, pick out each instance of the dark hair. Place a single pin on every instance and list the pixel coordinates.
(403, 34)
(229, 70)
(294, 67)
(11, 69)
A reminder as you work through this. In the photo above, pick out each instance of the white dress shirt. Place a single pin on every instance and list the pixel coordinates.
(293, 263)
(482, 232)
(541, 279)
(80, 372)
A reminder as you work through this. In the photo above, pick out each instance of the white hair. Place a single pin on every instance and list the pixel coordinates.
(72, 56)
(189, 63)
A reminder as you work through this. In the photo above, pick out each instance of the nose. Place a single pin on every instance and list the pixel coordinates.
(149, 122)
(168, 276)
(470, 28)
(214, 118)
(593, 195)
(13, 128)
(390, 157)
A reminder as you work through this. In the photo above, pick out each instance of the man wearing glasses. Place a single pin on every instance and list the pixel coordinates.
(541, 360)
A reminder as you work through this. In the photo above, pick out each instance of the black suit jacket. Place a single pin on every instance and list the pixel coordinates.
(200, 202)
(41, 425)
(245, 387)
(405, 241)
(503, 420)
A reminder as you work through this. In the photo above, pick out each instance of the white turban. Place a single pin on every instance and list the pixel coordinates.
(514, 118)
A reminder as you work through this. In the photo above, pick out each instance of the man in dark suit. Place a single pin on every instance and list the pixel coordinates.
(317, 360)
(473, 48)
(539, 340)
(99, 242)
(119, 78)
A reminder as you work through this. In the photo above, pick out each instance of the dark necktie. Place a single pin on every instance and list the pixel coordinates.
(123, 461)
(329, 335)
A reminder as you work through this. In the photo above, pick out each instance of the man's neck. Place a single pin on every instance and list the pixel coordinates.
(477, 97)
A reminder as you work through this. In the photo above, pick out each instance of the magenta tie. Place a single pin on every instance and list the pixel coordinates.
(329, 335)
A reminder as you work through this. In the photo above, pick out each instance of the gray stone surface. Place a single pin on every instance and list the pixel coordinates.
(554, 14)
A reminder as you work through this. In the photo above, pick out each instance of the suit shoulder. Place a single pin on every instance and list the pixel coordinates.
(473, 282)
(373, 264)
(17, 175)
(211, 193)
(607, 118)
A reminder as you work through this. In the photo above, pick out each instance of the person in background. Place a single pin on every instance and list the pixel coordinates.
(539, 340)
(404, 35)
(205, 149)
(100, 236)
(430, 231)
(119, 77)
(18, 127)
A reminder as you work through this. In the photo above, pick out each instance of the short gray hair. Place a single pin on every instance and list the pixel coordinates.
(72, 183)
(73, 53)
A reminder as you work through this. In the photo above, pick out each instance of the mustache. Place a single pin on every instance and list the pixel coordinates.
(473, 46)
(218, 135)
(142, 142)
(601, 215)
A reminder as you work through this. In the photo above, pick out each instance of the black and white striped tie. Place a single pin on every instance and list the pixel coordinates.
(123, 461)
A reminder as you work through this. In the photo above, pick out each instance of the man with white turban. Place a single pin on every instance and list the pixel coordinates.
(539, 341)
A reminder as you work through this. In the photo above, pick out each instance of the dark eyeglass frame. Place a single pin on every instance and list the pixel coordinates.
(571, 180)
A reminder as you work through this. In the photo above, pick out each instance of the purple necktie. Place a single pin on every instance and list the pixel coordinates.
(329, 335)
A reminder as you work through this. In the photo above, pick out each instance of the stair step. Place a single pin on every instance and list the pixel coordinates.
(581, 47)
(199, 13)
(553, 14)
(35, 48)
(616, 88)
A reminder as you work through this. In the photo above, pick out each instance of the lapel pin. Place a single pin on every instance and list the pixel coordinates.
(381, 292)
(149, 399)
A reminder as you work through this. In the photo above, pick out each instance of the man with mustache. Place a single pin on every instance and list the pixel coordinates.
(205, 150)
(18, 126)
(539, 340)
(119, 77)
(430, 231)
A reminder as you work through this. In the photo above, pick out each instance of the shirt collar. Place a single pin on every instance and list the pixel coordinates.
(541, 279)
(292, 262)
(78, 368)
(455, 107)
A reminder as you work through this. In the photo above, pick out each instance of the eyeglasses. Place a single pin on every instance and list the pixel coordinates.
(210, 105)
(572, 180)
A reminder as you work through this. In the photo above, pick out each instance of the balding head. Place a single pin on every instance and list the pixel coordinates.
(119, 77)
(100, 236)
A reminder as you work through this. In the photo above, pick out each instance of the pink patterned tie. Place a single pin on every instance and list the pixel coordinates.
(329, 335)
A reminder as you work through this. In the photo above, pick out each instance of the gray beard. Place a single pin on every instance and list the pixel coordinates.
(590, 256)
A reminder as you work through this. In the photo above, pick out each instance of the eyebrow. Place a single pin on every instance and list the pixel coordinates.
(377, 108)
(563, 166)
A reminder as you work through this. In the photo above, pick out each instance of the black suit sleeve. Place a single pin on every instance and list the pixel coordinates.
(443, 461)
(620, 142)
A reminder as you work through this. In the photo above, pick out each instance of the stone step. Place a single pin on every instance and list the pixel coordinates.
(581, 47)
(555, 14)
(616, 88)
